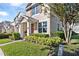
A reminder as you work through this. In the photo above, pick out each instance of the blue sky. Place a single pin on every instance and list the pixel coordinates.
(8, 11)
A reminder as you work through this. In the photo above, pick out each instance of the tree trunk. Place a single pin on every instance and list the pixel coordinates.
(67, 31)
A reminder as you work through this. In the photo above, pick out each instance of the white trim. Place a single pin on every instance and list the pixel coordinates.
(35, 15)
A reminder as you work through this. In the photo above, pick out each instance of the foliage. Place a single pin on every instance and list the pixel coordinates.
(75, 37)
(71, 50)
(40, 35)
(24, 49)
(46, 41)
(4, 41)
(4, 35)
(15, 36)
(58, 34)
(68, 13)
(73, 33)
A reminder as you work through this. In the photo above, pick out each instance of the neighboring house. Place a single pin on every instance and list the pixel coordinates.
(1, 27)
(76, 27)
(6, 27)
(37, 19)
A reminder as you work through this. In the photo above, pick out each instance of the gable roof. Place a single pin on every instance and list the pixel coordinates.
(27, 18)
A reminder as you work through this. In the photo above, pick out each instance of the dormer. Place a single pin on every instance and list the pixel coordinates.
(32, 9)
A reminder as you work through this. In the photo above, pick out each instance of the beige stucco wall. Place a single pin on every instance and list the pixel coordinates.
(29, 13)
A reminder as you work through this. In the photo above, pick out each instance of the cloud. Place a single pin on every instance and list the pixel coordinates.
(16, 4)
(3, 13)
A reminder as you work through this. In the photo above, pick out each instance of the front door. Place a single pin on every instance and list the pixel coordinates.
(32, 28)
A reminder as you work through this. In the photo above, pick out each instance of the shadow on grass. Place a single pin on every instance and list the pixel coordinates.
(66, 53)
(75, 50)
(52, 50)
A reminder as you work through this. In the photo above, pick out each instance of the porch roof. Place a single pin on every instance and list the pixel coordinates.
(27, 18)
(24, 18)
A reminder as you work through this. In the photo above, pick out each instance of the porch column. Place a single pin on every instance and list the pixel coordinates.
(37, 27)
(20, 30)
(14, 28)
(28, 28)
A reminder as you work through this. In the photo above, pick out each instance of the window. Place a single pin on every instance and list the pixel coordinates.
(36, 9)
(42, 27)
(33, 10)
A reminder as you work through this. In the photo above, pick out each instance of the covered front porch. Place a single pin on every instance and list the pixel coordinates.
(28, 26)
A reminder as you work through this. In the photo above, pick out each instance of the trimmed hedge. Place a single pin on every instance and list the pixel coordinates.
(75, 36)
(44, 41)
(40, 35)
(4, 35)
(15, 36)
(58, 34)
(73, 33)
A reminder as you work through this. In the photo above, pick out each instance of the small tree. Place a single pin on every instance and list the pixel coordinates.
(68, 14)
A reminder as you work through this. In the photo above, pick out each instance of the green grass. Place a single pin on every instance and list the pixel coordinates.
(76, 41)
(4, 41)
(71, 50)
(73, 46)
(25, 49)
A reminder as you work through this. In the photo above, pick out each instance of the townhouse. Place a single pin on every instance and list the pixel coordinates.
(37, 18)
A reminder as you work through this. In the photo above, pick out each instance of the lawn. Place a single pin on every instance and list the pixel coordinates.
(25, 49)
(72, 49)
(75, 41)
(5, 41)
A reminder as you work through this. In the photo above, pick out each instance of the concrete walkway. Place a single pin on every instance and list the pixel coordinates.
(11, 42)
(1, 52)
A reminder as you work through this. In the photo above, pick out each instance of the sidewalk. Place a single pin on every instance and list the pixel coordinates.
(10, 42)
(1, 52)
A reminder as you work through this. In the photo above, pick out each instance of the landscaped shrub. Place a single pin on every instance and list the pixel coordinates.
(15, 36)
(4, 35)
(41, 35)
(75, 36)
(73, 33)
(45, 41)
(57, 40)
(58, 34)
(11, 37)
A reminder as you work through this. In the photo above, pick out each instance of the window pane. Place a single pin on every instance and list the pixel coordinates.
(45, 24)
(38, 9)
(44, 29)
(40, 25)
(33, 11)
(40, 30)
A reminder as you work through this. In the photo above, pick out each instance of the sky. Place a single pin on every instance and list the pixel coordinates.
(8, 11)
